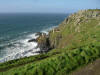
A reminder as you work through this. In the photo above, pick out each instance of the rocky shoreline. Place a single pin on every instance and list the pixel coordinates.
(54, 38)
(43, 42)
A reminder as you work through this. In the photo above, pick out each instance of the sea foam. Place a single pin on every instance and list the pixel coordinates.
(22, 48)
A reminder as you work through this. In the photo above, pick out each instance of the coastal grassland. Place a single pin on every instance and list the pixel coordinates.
(73, 36)
(76, 43)
(60, 64)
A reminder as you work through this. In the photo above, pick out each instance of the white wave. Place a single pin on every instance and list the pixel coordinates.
(22, 48)
(48, 29)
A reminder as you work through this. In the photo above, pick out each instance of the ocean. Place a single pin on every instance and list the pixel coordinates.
(17, 28)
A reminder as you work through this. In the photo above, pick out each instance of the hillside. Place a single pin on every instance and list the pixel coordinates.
(73, 44)
(91, 69)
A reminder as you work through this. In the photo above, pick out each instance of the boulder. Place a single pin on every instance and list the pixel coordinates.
(32, 40)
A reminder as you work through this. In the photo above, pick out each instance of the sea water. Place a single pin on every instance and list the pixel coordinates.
(17, 28)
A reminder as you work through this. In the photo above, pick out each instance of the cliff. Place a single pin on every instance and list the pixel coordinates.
(74, 43)
(75, 30)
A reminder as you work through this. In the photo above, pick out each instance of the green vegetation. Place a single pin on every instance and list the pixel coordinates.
(59, 64)
(76, 43)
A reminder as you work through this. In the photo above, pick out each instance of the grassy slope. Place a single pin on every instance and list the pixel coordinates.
(91, 69)
(77, 46)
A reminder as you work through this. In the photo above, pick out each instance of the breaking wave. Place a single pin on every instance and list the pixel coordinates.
(19, 48)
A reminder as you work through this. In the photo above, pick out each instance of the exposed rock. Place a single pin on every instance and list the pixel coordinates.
(57, 30)
(72, 23)
(43, 43)
(32, 40)
(38, 34)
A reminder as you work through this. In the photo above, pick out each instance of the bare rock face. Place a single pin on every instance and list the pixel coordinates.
(32, 40)
(43, 43)
(35, 40)
(88, 13)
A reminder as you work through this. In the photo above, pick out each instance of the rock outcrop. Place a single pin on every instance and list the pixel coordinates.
(66, 32)
(43, 43)
(32, 40)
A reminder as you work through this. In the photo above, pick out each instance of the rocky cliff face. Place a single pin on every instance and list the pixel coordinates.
(43, 43)
(72, 30)
(75, 43)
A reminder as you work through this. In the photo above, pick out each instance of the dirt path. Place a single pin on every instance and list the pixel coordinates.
(91, 69)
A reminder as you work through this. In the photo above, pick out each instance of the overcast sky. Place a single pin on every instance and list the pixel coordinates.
(46, 6)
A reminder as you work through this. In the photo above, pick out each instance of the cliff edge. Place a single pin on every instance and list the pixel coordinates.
(73, 44)
(74, 31)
